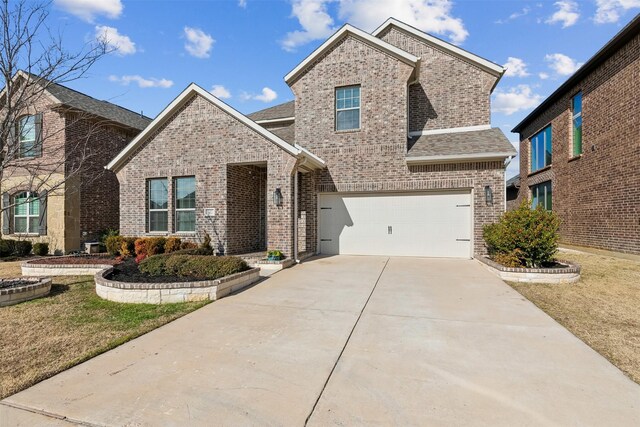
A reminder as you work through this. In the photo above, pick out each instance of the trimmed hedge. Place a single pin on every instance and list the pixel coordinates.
(41, 249)
(18, 248)
(194, 266)
(523, 237)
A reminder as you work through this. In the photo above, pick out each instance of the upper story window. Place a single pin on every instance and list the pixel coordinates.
(576, 112)
(26, 213)
(158, 202)
(28, 133)
(185, 197)
(541, 195)
(541, 149)
(348, 108)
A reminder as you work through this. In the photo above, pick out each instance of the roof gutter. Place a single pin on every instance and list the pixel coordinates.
(458, 158)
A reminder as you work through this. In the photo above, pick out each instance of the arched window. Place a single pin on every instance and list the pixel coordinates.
(28, 134)
(26, 213)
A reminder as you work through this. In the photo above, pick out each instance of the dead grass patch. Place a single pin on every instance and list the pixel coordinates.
(42, 337)
(602, 309)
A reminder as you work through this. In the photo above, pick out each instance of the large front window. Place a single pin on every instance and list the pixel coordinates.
(348, 108)
(28, 131)
(158, 197)
(576, 109)
(26, 213)
(541, 149)
(185, 197)
(541, 195)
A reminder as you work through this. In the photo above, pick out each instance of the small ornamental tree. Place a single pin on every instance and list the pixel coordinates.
(523, 237)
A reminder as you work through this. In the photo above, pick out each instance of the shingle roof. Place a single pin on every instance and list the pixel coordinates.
(514, 181)
(103, 109)
(471, 142)
(286, 132)
(279, 111)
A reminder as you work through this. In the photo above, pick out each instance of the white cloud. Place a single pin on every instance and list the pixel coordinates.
(315, 21)
(609, 11)
(141, 81)
(567, 13)
(562, 64)
(88, 10)
(433, 16)
(517, 98)
(514, 15)
(220, 91)
(119, 42)
(198, 43)
(267, 95)
(516, 67)
(242, 3)
(543, 76)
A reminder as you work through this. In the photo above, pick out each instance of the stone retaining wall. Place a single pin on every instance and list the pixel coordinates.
(165, 293)
(37, 289)
(39, 270)
(568, 274)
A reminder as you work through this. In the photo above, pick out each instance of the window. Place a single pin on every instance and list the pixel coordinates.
(541, 149)
(541, 195)
(29, 135)
(158, 194)
(576, 109)
(185, 197)
(348, 108)
(26, 213)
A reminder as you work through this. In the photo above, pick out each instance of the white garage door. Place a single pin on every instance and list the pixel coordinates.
(396, 224)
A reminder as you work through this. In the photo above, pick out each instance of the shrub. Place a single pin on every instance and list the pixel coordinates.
(110, 232)
(154, 265)
(7, 247)
(140, 247)
(188, 245)
(41, 249)
(524, 236)
(172, 244)
(127, 247)
(275, 254)
(196, 266)
(155, 245)
(113, 244)
(22, 247)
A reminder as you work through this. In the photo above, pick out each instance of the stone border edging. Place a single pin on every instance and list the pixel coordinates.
(15, 295)
(570, 274)
(165, 293)
(39, 270)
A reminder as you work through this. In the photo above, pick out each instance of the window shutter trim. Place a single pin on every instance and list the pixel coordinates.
(38, 147)
(6, 214)
(42, 220)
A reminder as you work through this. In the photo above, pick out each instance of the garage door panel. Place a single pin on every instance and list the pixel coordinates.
(402, 224)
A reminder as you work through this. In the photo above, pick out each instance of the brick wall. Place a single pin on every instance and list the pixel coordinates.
(373, 158)
(596, 195)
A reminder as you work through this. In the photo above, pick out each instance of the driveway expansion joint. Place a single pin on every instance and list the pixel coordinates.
(48, 414)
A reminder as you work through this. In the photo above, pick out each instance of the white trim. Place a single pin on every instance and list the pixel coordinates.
(359, 34)
(274, 121)
(455, 158)
(295, 150)
(449, 130)
(485, 64)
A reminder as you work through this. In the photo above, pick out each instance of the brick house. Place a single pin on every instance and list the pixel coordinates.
(70, 138)
(386, 149)
(580, 149)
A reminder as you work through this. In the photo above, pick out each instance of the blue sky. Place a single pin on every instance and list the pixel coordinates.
(241, 49)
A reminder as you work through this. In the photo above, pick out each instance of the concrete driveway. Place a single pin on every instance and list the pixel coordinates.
(346, 341)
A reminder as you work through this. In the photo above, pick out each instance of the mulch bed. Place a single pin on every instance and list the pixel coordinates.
(77, 260)
(128, 272)
(8, 283)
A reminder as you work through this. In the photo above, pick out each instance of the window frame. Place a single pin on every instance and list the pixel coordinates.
(36, 149)
(30, 196)
(535, 144)
(547, 196)
(574, 117)
(175, 204)
(150, 210)
(337, 110)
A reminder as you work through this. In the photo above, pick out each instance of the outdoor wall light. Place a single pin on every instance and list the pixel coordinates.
(277, 197)
(488, 195)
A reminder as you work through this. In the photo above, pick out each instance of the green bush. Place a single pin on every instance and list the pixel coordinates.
(154, 265)
(105, 234)
(7, 247)
(196, 266)
(22, 247)
(524, 236)
(113, 244)
(41, 249)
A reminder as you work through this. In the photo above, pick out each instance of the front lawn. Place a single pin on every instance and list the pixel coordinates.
(602, 309)
(42, 337)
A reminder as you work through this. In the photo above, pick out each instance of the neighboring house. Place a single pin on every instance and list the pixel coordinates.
(387, 149)
(580, 149)
(513, 189)
(65, 140)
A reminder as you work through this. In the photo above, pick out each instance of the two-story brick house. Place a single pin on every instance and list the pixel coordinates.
(56, 189)
(580, 149)
(387, 149)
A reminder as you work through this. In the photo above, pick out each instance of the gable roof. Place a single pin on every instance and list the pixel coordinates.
(627, 33)
(79, 101)
(514, 182)
(193, 89)
(485, 64)
(367, 38)
(282, 111)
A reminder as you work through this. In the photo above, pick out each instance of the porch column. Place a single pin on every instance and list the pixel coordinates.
(280, 219)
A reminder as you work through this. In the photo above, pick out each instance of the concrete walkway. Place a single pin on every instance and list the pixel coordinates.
(346, 341)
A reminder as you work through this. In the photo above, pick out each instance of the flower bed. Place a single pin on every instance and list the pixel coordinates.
(67, 265)
(14, 291)
(560, 272)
